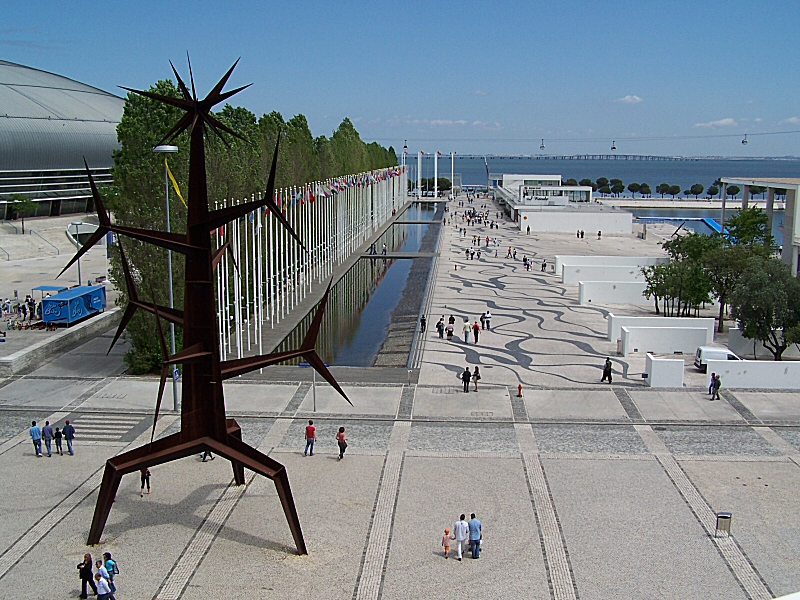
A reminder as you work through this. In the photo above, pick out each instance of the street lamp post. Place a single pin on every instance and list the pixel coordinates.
(170, 150)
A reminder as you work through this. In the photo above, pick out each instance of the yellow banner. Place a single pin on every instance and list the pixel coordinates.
(174, 183)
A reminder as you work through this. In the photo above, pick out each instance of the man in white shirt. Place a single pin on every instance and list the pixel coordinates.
(461, 531)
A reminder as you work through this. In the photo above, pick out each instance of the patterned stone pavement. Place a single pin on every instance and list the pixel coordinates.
(585, 490)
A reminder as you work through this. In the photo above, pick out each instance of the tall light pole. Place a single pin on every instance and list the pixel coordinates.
(170, 150)
(453, 174)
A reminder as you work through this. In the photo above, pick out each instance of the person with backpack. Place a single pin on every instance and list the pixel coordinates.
(103, 573)
(112, 569)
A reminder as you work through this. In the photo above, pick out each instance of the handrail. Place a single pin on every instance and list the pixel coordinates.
(11, 225)
(8, 256)
(418, 341)
(58, 252)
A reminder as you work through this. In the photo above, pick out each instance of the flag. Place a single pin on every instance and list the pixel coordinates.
(174, 183)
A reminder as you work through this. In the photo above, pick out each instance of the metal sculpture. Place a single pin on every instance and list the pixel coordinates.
(204, 425)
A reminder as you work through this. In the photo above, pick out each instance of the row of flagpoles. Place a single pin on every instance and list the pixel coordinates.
(265, 274)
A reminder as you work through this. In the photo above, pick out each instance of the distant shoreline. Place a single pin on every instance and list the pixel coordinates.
(700, 203)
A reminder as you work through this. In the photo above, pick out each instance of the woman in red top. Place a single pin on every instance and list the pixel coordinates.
(341, 439)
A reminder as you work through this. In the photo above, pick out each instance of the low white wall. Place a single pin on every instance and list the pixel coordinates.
(572, 274)
(743, 347)
(615, 322)
(667, 340)
(596, 259)
(664, 372)
(568, 221)
(612, 292)
(757, 374)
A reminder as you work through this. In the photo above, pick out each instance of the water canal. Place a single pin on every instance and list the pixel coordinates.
(372, 312)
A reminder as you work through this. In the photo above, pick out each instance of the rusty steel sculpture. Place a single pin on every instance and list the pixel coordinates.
(204, 425)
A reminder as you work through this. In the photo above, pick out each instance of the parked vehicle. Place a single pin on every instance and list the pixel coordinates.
(705, 353)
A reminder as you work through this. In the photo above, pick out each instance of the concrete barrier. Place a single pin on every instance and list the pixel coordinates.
(757, 374)
(612, 292)
(743, 347)
(32, 356)
(666, 340)
(598, 260)
(664, 372)
(572, 274)
(615, 322)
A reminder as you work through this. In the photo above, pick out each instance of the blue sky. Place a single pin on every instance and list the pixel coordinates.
(469, 77)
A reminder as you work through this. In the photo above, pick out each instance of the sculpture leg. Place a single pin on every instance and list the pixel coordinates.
(236, 450)
(238, 468)
(108, 491)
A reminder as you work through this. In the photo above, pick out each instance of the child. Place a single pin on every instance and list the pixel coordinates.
(446, 542)
(58, 435)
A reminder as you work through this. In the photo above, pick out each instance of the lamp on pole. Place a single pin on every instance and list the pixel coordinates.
(164, 149)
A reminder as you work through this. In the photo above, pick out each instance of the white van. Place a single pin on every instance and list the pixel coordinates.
(705, 353)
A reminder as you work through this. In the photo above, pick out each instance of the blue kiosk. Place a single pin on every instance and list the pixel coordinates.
(74, 304)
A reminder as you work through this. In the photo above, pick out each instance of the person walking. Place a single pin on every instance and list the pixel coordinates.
(144, 475)
(483, 320)
(488, 320)
(446, 542)
(58, 436)
(476, 329)
(606, 371)
(47, 435)
(450, 330)
(85, 572)
(465, 377)
(422, 322)
(544, 265)
(69, 435)
(206, 454)
(102, 587)
(465, 329)
(103, 573)
(711, 385)
(341, 440)
(717, 384)
(475, 536)
(461, 532)
(440, 328)
(311, 437)
(112, 569)
(36, 436)
(476, 377)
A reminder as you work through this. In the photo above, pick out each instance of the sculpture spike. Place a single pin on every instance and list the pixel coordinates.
(181, 85)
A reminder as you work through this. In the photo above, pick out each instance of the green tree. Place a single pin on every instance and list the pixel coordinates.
(680, 286)
(687, 193)
(23, 207)
(645, 190)
(748, 226)
(604, 190)
(674, 190)
(765, 302)
(724, 265)
(617, 188)
(602, 182)
(589, 183)
(713, 190)
(662, 188)
(633, 188)
(733, 191)
(697, 189)
(571, 181)
(692, 247)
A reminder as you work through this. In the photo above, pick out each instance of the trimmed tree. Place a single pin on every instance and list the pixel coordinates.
(645, 190)
(633, 188)
(697, 189)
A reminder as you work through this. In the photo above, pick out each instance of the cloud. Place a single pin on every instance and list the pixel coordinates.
(758, 119)
(629, 99)
(481, 93)
(486, 125)
(729, 122)
(448, 122)
(792, 120)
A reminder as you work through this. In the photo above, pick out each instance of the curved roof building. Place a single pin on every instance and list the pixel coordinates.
(48, 123)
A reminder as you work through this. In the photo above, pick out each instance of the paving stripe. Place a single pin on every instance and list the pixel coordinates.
(737, 405)
(376, 553)
(453, 454)
(628, 404)
(197, 548)
(743, 570)
(406, 407)
(554, 549)
(777, 441)
(31, 538)
(297, 399)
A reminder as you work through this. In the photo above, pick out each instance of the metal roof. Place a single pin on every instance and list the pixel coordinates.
(50, 122)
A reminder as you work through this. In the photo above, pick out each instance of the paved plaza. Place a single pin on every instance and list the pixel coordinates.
(585, 490)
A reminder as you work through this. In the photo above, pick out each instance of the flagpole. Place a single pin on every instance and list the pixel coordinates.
(436, 174)
(419, 173)
(452, 174)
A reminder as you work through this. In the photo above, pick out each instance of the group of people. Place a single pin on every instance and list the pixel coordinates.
(23, 310)
(474, 376)
(464, 531)
(311, 437)
(102, 581)
(713, 386)
(49, 435)
(449, 328)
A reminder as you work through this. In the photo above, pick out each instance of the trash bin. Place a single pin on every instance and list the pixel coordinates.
(723, 523)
